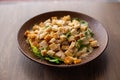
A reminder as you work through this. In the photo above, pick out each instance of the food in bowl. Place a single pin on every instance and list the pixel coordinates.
(63, 40)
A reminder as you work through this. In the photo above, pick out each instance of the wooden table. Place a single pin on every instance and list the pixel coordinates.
(15, 66)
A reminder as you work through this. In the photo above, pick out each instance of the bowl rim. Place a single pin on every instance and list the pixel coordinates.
(61, 66)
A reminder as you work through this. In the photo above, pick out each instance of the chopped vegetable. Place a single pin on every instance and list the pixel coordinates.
(68, 34)
(35, 50)
(91, 33)
(76, 19)
(53, 59)
(83, 22)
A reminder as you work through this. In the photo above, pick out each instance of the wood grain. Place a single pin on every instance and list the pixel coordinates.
(15, 66)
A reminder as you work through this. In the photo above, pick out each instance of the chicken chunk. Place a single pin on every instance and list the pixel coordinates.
(43, 44)
(59, 54)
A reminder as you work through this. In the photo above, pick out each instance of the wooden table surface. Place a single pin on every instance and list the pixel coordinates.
(15, 66)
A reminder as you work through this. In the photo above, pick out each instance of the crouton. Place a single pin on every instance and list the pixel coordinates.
(68, 60)
(91, 39)
(31, 36)
(73, 31)
(52, 40)
(64, 47)
(55, 28)
(94, 44)
(41, 24)
(41, 36)
(81, 35)
(72, 45)
(71, 38)
(77, 61)
(47, 21)
(53, 46)
(35, 27)
(50, 52)
(62, 38)
(76, 24)
(47, 37)
(66, 18)
(83, 27)
(48, 29)
(27, 32)
(60, 22)
(54, 35)
(43, 52)
(69, 52)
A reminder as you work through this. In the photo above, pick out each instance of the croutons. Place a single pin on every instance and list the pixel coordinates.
(52, 40)
(94, 43)
(62, 30)
(65, 47)
(47, 37)
(71, 38)
(47, 21)
(41, 36)
(48, 29)
(66, 18)
(76, 24)
(44, 52)
(72, 45)
(60, 22)
(81, 35)
(31, 36)
(41, 24)
(83, 27)
(68, 60)
(55, 28)
(77, 61)
(27, 32)
(55, 35)
(62, 39)
(69, 52)
(73, 31)
(50, 52)
(53, 46)
(35, 27)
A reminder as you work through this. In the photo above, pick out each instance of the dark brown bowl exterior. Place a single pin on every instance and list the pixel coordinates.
(97, 28)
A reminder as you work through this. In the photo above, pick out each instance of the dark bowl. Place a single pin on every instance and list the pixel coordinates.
(97, 28)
